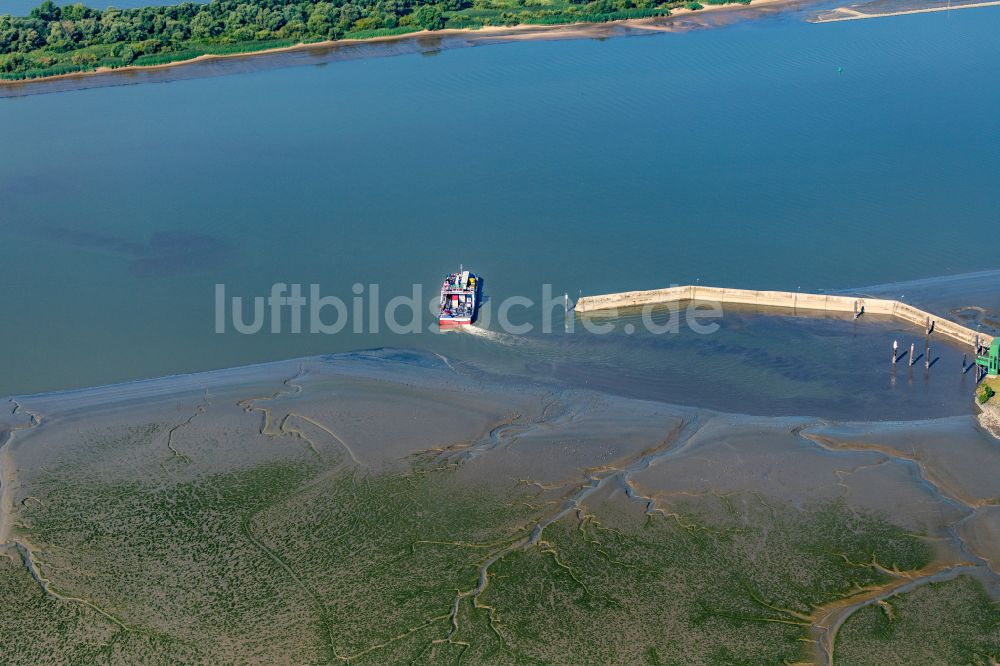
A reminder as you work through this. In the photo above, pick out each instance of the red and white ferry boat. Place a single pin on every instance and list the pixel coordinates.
(460, 296)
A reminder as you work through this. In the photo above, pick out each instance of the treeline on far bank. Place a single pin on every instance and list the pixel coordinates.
(56, 40)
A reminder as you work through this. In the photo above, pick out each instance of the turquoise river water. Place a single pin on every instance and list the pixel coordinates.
(770, 153)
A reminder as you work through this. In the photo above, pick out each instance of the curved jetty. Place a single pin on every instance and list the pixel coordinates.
(791, 300)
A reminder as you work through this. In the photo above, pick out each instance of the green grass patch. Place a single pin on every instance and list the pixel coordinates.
(312, 562)
(954, 622)
(167, 57)
(381, 32)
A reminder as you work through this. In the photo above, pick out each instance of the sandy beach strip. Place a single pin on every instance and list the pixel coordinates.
(491, 34)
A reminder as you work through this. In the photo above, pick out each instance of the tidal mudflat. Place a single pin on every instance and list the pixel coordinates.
(397, 506)
(775, 492)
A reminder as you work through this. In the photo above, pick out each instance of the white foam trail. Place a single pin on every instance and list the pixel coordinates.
(494, 336)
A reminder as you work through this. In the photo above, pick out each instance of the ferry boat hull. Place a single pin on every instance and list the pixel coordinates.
(460, 296)
(445, 322)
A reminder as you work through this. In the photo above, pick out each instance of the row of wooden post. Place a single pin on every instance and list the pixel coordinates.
(913, 346)
(913, 349)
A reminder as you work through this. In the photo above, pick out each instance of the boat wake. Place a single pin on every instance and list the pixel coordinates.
(495, 336)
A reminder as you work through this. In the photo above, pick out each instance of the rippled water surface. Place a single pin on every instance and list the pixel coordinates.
(769, 153)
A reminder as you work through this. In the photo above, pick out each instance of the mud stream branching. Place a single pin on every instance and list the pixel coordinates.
(539, 525)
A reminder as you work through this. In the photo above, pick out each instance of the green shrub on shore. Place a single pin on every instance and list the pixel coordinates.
(984, 393)
(56, 40)
(209, 49)
(380, 32)
(599, 18)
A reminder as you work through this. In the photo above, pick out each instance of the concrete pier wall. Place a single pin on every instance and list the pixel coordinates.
(784, 299)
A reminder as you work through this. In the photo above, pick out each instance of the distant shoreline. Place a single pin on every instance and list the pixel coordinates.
(849, 14)
(522, 32)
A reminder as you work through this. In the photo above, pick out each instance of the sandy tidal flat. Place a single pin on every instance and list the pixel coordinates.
(395, 506)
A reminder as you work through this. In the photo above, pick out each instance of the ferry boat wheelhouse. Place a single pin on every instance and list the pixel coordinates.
(460, 295)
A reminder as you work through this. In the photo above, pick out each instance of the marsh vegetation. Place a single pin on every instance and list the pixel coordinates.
(299, 524)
